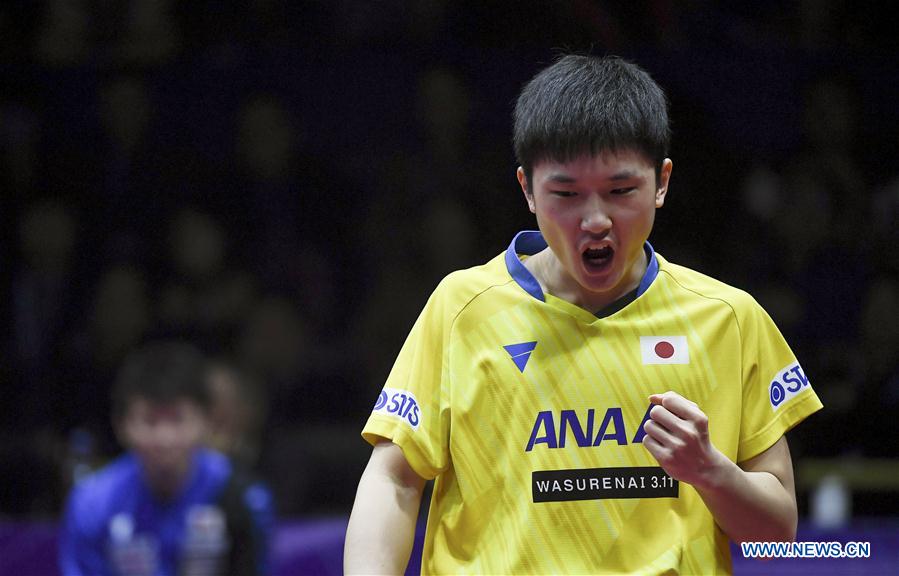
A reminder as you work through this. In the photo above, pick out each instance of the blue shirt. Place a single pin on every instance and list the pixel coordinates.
(219, 524)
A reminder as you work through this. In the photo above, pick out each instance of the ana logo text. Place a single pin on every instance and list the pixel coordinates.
(611, 428)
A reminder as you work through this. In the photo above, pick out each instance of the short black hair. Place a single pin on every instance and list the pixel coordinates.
(588, 104)
(161, 372)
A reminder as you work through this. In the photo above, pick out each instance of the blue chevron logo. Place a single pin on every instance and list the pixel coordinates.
(520, 353)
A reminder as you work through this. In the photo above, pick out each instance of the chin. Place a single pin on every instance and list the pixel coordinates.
(166, 467)
(600, 283)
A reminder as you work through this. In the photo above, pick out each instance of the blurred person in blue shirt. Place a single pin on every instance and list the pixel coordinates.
(168, 506)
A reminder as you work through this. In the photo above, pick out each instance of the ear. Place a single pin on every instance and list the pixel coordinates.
(664, 179)
(523, 182)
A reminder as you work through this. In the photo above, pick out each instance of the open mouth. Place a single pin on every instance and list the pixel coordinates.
(598, 259)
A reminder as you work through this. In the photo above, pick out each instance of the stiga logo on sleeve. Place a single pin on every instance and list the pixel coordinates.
(788, 382)
(399, 404)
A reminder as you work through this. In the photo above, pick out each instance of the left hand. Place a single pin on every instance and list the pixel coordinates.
(677, 435)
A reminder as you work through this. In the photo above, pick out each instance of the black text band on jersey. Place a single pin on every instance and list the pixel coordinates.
(602, 483)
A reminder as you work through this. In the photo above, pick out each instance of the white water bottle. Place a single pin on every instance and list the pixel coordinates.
(831, 503)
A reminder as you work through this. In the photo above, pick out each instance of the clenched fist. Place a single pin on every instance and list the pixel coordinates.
(677, 435)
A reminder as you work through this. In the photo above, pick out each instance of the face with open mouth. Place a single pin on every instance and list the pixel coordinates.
(595, 213)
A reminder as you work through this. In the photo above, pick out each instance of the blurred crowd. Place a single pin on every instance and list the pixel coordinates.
(283, 183)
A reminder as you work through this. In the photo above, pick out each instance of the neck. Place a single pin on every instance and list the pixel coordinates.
(553, 279)
(166, 485)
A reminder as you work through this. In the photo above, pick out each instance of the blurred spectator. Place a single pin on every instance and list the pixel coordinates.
(237, 413)
(311, 391)
(118, 319)
(304, 379)
(147, 34)
(274, 351)
(128, 173)
(443, 110)
(120, 316)
(446, 237)
(275, 347)
(453, 158)
(288, 202)
(41, 291)
(30, 468)
(880, 340)
(443, 158)
(204, 293)
(19, 135)
(827, 193)
(18, 24)
(167, 506)
(44, 291)
(439, 181)
(267, 138)
(880, 337)
(836, 25)
(811, 253)
(65, 35)
(879, 402)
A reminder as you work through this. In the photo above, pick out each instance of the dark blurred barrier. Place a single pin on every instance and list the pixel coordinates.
(311, 547)
(858, 474)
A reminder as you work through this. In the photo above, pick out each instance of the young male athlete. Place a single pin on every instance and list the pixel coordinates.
(168, 506)
(584, 405)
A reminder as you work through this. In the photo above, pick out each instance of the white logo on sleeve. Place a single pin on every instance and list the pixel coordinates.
(399, 404)
(664, 350)
(787, 383)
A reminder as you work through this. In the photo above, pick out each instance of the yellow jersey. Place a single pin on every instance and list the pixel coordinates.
(527, 411)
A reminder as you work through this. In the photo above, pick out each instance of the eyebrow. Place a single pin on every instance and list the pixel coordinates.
(561, 178)
(625, 175)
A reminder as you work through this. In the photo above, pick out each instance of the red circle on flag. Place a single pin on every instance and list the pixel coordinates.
(664, 349)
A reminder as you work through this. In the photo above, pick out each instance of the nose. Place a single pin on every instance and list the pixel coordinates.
(165, 436)
(595, 218)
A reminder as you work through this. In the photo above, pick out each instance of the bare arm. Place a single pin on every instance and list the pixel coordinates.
(382, 525)
(755, 501)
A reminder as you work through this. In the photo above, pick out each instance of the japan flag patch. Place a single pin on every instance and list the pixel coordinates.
(664, 350)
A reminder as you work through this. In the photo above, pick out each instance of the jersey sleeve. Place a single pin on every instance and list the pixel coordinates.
(777, 394)
(412, 409)
(81, 542)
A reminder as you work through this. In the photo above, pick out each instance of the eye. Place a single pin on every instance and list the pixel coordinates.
(623, 191)
(563, 193)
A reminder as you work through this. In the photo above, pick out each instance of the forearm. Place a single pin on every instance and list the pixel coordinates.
(381, 530)
(750, 506)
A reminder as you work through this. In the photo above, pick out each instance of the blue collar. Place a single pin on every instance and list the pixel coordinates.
(530, 242)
